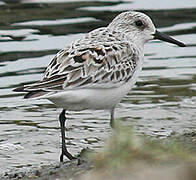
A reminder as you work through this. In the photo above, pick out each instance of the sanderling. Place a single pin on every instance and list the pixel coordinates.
(97, 70)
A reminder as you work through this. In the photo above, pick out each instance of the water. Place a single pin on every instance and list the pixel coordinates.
(163, 101)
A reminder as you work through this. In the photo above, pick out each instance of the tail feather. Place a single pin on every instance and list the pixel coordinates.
(19, 89)
(30, 94)
(34, 94)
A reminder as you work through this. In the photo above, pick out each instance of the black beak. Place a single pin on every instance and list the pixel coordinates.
(164, 37)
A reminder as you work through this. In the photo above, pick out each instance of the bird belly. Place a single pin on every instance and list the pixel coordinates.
(93, 98)
(81, 99)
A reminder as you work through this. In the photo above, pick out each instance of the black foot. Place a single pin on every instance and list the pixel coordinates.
(68, 155)
(65, 152)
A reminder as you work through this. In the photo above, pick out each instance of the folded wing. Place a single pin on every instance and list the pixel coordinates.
(106, 65)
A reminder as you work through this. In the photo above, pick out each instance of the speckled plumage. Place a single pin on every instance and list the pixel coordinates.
(103, 61)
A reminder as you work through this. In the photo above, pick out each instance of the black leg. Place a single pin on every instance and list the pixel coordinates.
(112, 123)
(62, 120)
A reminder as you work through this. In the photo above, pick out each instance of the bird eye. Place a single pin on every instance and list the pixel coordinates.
(139, 23)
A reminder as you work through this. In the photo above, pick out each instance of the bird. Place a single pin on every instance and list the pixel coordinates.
(96, 71)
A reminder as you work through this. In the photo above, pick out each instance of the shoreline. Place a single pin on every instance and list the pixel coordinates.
(71, 169)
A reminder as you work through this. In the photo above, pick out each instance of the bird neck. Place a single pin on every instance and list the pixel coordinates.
(135, 39)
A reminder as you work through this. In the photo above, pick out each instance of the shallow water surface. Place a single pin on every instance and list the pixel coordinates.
(163, 101)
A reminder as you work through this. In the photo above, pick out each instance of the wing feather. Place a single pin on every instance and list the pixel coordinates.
(96, 64)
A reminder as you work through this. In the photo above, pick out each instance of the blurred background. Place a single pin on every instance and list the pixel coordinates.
(162, 104)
